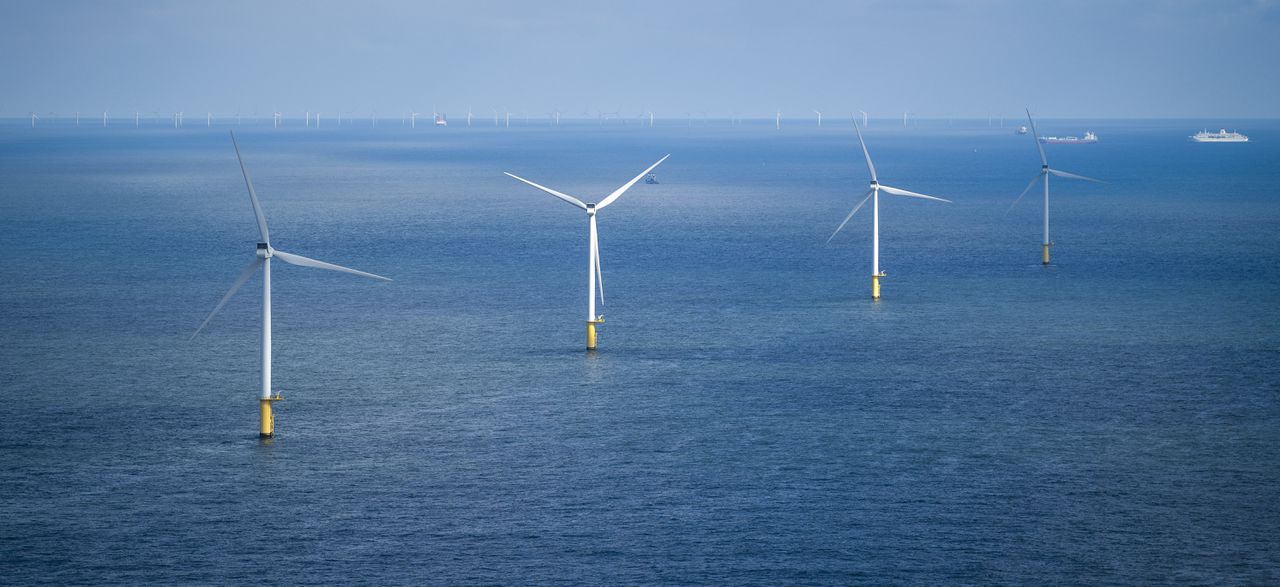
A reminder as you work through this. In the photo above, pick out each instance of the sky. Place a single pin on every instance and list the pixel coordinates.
(934, 58)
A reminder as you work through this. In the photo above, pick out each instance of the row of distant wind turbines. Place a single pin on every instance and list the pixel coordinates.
(410, 117)
(264, 252)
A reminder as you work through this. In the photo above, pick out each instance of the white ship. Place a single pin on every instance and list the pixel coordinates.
(441, 120)
(1088, 138)
(1222, 136)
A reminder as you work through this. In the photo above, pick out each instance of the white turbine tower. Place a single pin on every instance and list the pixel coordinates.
(819, 118)
(104, 119)
(34, 118)
(874, 195)
(864, 117)
(1044, 174)
(413, 119)
(593, 248)
(262, 258)
(468, 117)
(777, 120)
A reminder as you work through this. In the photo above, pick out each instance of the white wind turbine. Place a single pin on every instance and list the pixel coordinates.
(777, 120)
(864, 117)
(819, 113)
(1044, 174)
(34, 118)
(468, 117)
(262, 258)
(104, 119)
(874, 195)
(413, 119)
(593, 248)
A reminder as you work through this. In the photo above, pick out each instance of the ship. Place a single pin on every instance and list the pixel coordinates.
(441, 121)
(1222, 136)
(1088, 139)
(1022, 130)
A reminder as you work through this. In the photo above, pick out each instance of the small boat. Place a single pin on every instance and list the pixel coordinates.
(1022, 130)
(1089, 138)
(651, 178)
(441, 121)
(1222, 136)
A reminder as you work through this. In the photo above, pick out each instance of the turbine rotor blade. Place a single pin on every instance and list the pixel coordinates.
(599, 272)
(244, 276)
(901, 192)
(1074, 176)
(846, 218)
(301, 261)
(618, 192)
(865, 153)
(1035, 136)
(565, 197)
(253, 196)
(1034, 181)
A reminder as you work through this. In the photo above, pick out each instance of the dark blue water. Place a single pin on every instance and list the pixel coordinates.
(751, 416)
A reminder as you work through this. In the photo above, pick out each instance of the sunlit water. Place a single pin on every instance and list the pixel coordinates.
(751, 417)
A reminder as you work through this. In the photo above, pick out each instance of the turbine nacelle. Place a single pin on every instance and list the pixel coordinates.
(591, 209)
(264, 251)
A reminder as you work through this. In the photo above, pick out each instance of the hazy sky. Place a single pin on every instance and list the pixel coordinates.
(1211, 58)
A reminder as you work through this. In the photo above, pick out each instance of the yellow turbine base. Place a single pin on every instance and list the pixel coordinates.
(875, 287)
(266, 422)
(1046, 254)
(591, 335)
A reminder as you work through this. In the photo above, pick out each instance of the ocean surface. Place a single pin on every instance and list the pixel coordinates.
(751, 416)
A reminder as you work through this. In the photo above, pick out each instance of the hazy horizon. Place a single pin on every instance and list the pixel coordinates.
(937, 59)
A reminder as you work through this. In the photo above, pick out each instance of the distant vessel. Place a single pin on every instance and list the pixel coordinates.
(440, 120)
(1088, 138)
(1222, 136)
(1022, 130)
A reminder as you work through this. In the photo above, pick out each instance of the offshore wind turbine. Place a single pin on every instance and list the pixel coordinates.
(864, 118)
(104, 119)
(262, 258)
(874, 195)
(593, 247)
(1045, 172)
(777, 120)
(819, 113)
(34, 118)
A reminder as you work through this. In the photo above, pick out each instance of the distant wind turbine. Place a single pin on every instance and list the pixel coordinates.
(1045, 172)
(864, 118)
(777, 120)
(104, 119)
(593, 248)
(874, 196)
(34, 118)
(819, 118)
(262, 258)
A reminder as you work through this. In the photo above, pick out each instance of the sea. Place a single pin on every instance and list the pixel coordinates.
(751, 416)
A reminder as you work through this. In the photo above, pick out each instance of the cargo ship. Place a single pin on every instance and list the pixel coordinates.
(1088, 138)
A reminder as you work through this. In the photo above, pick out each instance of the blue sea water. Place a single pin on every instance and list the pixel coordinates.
(751, 416)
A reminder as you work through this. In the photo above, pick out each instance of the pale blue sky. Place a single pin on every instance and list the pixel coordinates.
(937, 58)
